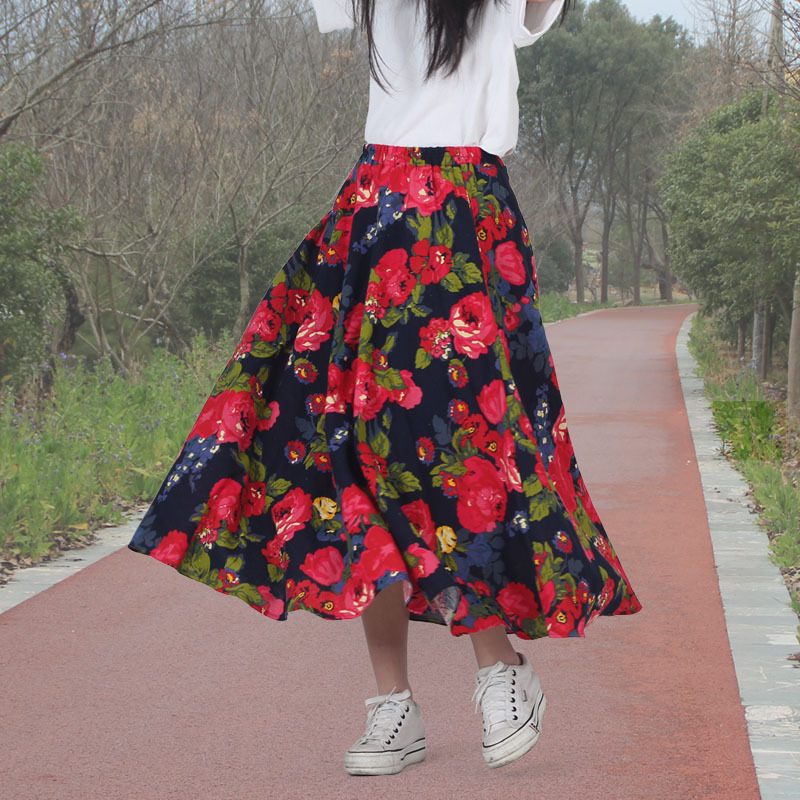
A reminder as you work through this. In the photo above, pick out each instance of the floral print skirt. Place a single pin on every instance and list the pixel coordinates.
(392, 413)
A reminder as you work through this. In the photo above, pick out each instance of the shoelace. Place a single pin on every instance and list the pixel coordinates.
(382, 715)
(492, 691)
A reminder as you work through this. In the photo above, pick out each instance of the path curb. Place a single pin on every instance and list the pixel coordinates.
(758, 614)
(26, 582)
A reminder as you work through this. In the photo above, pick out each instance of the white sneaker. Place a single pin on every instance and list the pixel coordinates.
(394, 736)
(513, 705)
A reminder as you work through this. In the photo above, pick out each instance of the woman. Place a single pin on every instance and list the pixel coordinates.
(388, 438)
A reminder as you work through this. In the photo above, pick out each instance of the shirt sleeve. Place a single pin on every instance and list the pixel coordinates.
(532, 20)
(333, 15)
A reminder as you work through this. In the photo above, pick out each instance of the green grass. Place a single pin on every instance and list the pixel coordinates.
(554, 306)
(105, 439)
(749, 425)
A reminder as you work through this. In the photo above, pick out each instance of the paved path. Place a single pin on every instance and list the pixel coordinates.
(127, 680)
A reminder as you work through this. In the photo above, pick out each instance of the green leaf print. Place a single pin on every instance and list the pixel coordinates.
(380, 444)
(248, 593)
(228, 540)
(234, 563)
(541, 506)
(390, 379)
(452, 282)
(421, 226)
(406, 482)
(444, 235)
(197, 564)
(276, 487)
(275, 573)
(266, 349)
(422, 359)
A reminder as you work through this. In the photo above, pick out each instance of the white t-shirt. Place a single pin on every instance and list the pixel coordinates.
(476, 105)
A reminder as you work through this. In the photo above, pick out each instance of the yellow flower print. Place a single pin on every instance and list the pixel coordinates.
(326, 507)
(447, 538)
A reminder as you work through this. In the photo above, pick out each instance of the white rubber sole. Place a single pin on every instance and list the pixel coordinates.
(519, 742)
(388, 762)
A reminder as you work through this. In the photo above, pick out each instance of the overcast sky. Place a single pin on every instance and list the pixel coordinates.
(680, 10)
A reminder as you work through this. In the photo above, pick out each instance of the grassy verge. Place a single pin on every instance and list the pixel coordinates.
(106, 442)
(765, 448)
(104, 446)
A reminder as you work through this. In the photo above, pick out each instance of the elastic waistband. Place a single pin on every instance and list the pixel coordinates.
(374, 152)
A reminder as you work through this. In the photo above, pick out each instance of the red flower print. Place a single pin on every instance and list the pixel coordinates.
(275, 554)
(518, 601)
(488, 231)
(506, 460)
(457, 374)
(315, 403)
(430, 262)
(372, 465)
(435, 338)
(425, 449)
(380, 362)
(296, 306)
(228, 577)
(253, 497)
(322, 461)
(357, 594)
(224, 505)
(305, 371)
(419, 514)
(325, 566)
(316, 327)
(423, 191)
(357, 507)
(278, 297)
(368, 397)
(396, 282)
(340, 389)
(449, 484)
(473, 325)
(265, 422)
(230, 416)
(336, 252)
(559, 470)
(492, 401)
(473, 430)
(295, 451)
(291, 513)
(457, 410)
(410, 395)
(511, 317)
(565, 617)
(265, 324)
(380, 554)
(427, 562)
(562, 542)
(172, 548)
(481, 496)
(352, 325)
(273, 606)
(508, 262)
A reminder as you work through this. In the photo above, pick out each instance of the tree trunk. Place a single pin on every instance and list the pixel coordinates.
(244, 293)
(758, 335)
(740, 344)
(793, 380)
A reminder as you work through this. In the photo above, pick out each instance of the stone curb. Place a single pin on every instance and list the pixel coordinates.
(758, 613)
(27, 582)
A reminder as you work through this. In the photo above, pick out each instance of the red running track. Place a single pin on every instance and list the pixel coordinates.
(130, 681)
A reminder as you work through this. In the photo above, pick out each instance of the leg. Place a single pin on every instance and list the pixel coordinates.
(492, 645)
(386, 628)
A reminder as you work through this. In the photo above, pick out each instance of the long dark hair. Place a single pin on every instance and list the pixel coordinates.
(448, 25)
